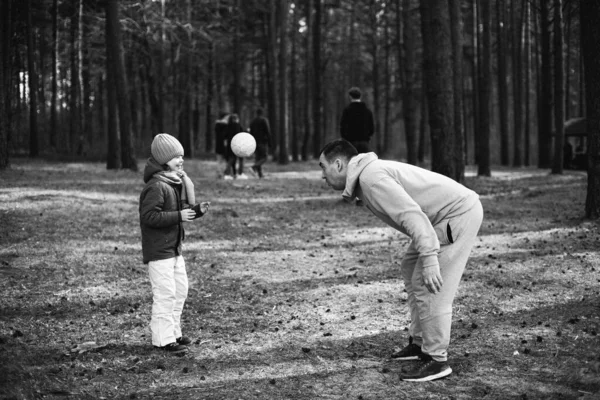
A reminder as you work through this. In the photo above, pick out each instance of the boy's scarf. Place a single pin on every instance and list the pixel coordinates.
(178, 178)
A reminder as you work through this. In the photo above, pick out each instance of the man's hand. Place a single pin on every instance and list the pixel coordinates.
(188, 215)
(432, 279)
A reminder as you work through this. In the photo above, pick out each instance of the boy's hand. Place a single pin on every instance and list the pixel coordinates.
(204, 207)
(188, 215)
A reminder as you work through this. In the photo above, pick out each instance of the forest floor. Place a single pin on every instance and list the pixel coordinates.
(294, 294)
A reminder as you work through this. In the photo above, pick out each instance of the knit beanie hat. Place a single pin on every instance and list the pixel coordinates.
(165, 147)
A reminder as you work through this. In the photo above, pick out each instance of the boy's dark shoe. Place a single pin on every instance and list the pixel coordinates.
(174, 348)
(427, 370)
(184, 340)
(410, 352)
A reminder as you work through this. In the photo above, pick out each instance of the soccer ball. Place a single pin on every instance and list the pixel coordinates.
(243, 144)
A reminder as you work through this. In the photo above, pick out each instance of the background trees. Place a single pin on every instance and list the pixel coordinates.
(98, 79)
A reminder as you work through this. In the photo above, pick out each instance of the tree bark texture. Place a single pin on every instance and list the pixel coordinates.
(485, 90)
(590, 37)
(559, 89)
(437, 45)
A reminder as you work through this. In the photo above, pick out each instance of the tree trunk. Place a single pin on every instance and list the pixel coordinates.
(283, 101)
(120, 80)
(375, 62)
(317, 89)
(438, 72)
(33, 87)
(271, 65)
(502, 82)
(5, 72)
(546, 85)
(590, 37)
(308, 84)
(160, 79)
(458, 78)
(527, 91)
(210, 89)
(54, 99)
(517, 28)
(75, 122)
(559, 90)
(113, 143)
(408, 78)
(294, 122)
(186, 134)
(485, 92)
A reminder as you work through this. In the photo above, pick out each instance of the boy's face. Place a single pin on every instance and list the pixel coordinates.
(334, 173)
(176, 164)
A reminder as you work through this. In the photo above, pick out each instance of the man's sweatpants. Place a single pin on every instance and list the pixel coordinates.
(431, 314)
(169, 292)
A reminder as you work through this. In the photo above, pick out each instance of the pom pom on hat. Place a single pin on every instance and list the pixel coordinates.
(165, 147)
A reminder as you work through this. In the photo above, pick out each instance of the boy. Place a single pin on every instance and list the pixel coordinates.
(442, 218)
(165, 203)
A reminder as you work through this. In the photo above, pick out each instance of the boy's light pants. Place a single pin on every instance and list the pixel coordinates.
(431, 314)
(169, 291)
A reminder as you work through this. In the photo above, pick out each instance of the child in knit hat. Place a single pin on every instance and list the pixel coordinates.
(166, 202)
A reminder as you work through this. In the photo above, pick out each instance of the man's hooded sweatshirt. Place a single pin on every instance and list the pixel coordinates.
(413, 200)
(160, 218)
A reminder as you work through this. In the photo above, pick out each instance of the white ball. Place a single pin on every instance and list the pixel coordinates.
(243, 144)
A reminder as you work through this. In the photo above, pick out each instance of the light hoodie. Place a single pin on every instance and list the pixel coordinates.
(412, 200)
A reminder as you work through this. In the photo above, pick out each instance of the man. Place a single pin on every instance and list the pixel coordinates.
(356, 125)
(442, 218)
(259, 128)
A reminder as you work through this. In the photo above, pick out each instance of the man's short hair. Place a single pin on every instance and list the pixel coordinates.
(338, 148)
(355, 93)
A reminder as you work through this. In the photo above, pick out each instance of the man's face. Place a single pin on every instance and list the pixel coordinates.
(334, 173)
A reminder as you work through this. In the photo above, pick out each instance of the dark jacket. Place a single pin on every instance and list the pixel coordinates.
(260, 129)
(160, 218)
(220, 128)
(357, 122)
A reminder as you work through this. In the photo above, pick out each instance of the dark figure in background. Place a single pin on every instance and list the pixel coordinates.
(259, 128)
(220, 139)
(233, 128)
(357, 124)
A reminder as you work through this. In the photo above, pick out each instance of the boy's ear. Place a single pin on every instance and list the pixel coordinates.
(339, 164)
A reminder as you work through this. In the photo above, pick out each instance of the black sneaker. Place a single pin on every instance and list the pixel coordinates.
(174, 348)
(410, 352)
(183, 340)
(427, 370)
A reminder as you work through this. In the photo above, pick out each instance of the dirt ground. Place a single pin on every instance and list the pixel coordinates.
(294, 294)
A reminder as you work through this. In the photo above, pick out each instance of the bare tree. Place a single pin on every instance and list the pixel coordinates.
(32, 79)
(559, 89)
(407, 47)
(317, 77)
(437, 46)
(502, 28)
(283, 103)
(590, 37)
(485, 92)
(545, 87)
(113, 40)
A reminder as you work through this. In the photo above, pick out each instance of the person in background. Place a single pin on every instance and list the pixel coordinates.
(441, 217)
(233, 128)
(220, 140)
(261, 131)
(357, 125)
(166, 202)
